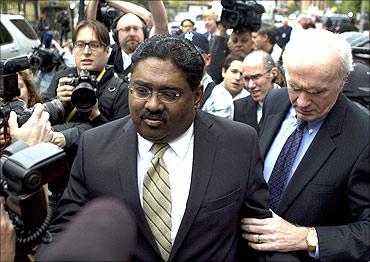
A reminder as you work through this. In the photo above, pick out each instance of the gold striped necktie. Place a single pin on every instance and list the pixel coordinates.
(157, 200)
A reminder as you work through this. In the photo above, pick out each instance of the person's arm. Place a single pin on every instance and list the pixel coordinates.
(91, 9)
(7, 234)
(67, 57)
(68, 135)
(277, 234)
(218, 53)
(37, 129)
(128, 7)
(160, 18)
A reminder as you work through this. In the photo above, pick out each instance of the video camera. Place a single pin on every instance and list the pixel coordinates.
(24, 170)
(85, 94)
(44, 59)
(241, 15)
(106, 14)
(8, 77)
(9, 91)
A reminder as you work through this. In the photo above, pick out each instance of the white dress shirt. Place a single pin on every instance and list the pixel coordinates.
(126, 59)
(179, 161)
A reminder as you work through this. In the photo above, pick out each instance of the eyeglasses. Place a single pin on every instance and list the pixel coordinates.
(166, 96)
(93, 45)
(256, 76)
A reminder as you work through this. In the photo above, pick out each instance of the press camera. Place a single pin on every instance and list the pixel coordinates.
(241, 15)
(24, 170)
(45, 59)
(9, 91)
(85, 94)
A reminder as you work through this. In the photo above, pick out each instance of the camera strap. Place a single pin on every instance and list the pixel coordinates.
(74, 110)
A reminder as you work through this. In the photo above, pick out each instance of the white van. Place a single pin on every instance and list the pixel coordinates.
(17, 37)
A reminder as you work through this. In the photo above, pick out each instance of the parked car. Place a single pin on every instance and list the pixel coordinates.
(17, 37)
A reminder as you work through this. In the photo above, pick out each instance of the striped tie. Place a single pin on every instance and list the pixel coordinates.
(157, 200)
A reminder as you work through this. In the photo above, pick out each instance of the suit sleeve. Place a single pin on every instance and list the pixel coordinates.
(351, 242)
(257, 196)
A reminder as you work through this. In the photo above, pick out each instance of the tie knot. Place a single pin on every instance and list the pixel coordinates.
(159, 149)
(301, 124)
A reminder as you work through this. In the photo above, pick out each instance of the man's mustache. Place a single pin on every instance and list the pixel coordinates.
(146, 114)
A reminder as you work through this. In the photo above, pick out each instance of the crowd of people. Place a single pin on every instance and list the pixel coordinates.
(198, 147)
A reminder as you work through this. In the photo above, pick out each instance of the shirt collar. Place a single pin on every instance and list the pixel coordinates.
(180, 145)
(310, 124)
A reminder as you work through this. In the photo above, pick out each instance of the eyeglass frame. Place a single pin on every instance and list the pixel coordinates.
(256, 76)
(160, 94)
(88, 44)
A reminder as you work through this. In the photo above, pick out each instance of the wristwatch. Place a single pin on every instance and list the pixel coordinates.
(311, 239)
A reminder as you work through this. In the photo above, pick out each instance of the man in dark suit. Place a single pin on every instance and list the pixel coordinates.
(259, 74)
(325, 190)
(205, 190)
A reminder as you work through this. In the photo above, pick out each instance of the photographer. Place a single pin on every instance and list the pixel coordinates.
(93, 79)
(36, 130)
(27, 92)
(46, 62)
(243, 18)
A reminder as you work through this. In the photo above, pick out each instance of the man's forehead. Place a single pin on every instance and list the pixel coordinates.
(129, 19)
(86, 32)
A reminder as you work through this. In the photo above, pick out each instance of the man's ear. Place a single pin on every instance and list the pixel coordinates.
(275, 73)
(223, 72)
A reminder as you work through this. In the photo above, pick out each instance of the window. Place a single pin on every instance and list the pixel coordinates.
(25, 28)
(5, 37)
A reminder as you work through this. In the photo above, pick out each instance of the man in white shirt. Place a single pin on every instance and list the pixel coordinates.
(259, 73)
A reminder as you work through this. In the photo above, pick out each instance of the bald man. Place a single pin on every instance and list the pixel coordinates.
(130, 32)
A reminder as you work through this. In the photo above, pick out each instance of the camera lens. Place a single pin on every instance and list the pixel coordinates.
(56, 111)
(35, 62)
(83, 97)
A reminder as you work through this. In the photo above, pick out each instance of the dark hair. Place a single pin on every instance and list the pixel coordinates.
(269, 30)
(100, 30)
(178, 50)
(187, 19)
(235, 55)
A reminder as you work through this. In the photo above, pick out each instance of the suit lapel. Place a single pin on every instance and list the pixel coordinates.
(251, 112)
(127, 166)
(270, 127)
(316, 155)
(205, 143)
(272, 121)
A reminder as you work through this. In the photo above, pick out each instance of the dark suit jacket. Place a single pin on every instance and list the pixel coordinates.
(226, 185)
(330, 189)
(245, 111)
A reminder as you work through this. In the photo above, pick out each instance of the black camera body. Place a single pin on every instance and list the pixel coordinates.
(9, 78)
(241, 16)
(54, 107)
(24, 170)
(44, 59)
(9, 91)
(85, 94)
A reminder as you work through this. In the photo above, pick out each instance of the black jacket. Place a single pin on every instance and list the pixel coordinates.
(112, 99)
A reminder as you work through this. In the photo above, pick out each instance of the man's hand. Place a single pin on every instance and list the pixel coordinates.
(58, 139)
(7, 235)
(37, 129)
(274, 234)
(64, 91)
(94, 111)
